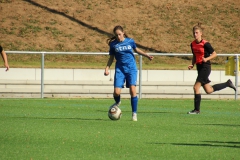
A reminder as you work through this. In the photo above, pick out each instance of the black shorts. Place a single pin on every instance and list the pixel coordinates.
(204, 71)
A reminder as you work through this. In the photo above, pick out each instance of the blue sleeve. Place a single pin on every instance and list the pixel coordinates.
(133, 44)
(111, 50)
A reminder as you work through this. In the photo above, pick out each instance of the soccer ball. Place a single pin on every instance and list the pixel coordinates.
(114, 113)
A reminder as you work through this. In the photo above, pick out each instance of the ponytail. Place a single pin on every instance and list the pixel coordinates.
(109, 40)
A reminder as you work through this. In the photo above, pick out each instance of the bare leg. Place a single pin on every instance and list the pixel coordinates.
(117, 92)
(208, 88)
(132, 91)
(116, 96)
(196, 87)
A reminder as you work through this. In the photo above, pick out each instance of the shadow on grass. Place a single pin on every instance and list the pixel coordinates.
(224, 125)
(64, 118)
(85, 24)
(137, 112)
(210, 144)
(221, 142)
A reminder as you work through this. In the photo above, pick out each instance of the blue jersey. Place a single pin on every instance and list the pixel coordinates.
(124, 55)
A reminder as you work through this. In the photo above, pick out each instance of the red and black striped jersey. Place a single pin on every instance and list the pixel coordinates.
(201, 49)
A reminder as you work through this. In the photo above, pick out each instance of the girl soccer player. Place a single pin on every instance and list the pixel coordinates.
(4, 57)
(202, 54)
(121, 47)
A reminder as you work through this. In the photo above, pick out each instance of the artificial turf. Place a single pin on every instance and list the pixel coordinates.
(57, 129)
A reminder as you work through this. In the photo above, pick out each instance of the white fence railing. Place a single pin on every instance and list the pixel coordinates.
(140, 64)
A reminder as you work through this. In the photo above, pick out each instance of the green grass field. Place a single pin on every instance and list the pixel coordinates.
(56, 129)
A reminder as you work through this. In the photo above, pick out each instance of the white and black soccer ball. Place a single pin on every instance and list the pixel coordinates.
(114, 113)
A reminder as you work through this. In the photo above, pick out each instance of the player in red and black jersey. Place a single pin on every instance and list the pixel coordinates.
(203, 52)
(4, 57)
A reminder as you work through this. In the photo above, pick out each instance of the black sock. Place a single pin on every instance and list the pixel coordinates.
(197, 101)
(117, 99)
(219, 86)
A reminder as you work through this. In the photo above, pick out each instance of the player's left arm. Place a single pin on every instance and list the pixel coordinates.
(140, 52)
(210, 49)
(212, 56)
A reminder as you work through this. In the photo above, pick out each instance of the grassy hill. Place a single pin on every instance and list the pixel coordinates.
(84, 25)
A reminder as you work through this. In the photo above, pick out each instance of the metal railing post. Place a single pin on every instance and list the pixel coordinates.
(140, 76)
(42, 75)
(236, 76)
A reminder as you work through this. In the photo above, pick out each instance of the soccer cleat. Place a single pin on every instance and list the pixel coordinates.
(134, 117)
(193, 112)
(115, 104)
(230, 84)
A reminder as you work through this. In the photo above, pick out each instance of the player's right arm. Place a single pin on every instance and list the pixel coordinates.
(193, 59)
(193, 62)
(109, 63)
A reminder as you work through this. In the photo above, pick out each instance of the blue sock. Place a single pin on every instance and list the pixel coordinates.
(117, 99)
(134, 103)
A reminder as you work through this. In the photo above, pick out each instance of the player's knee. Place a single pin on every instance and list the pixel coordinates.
(133, 94)
(116, 93)
(209, 91)
(195, 88)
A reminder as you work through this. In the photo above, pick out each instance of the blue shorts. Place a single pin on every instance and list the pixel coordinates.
(120, 78)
